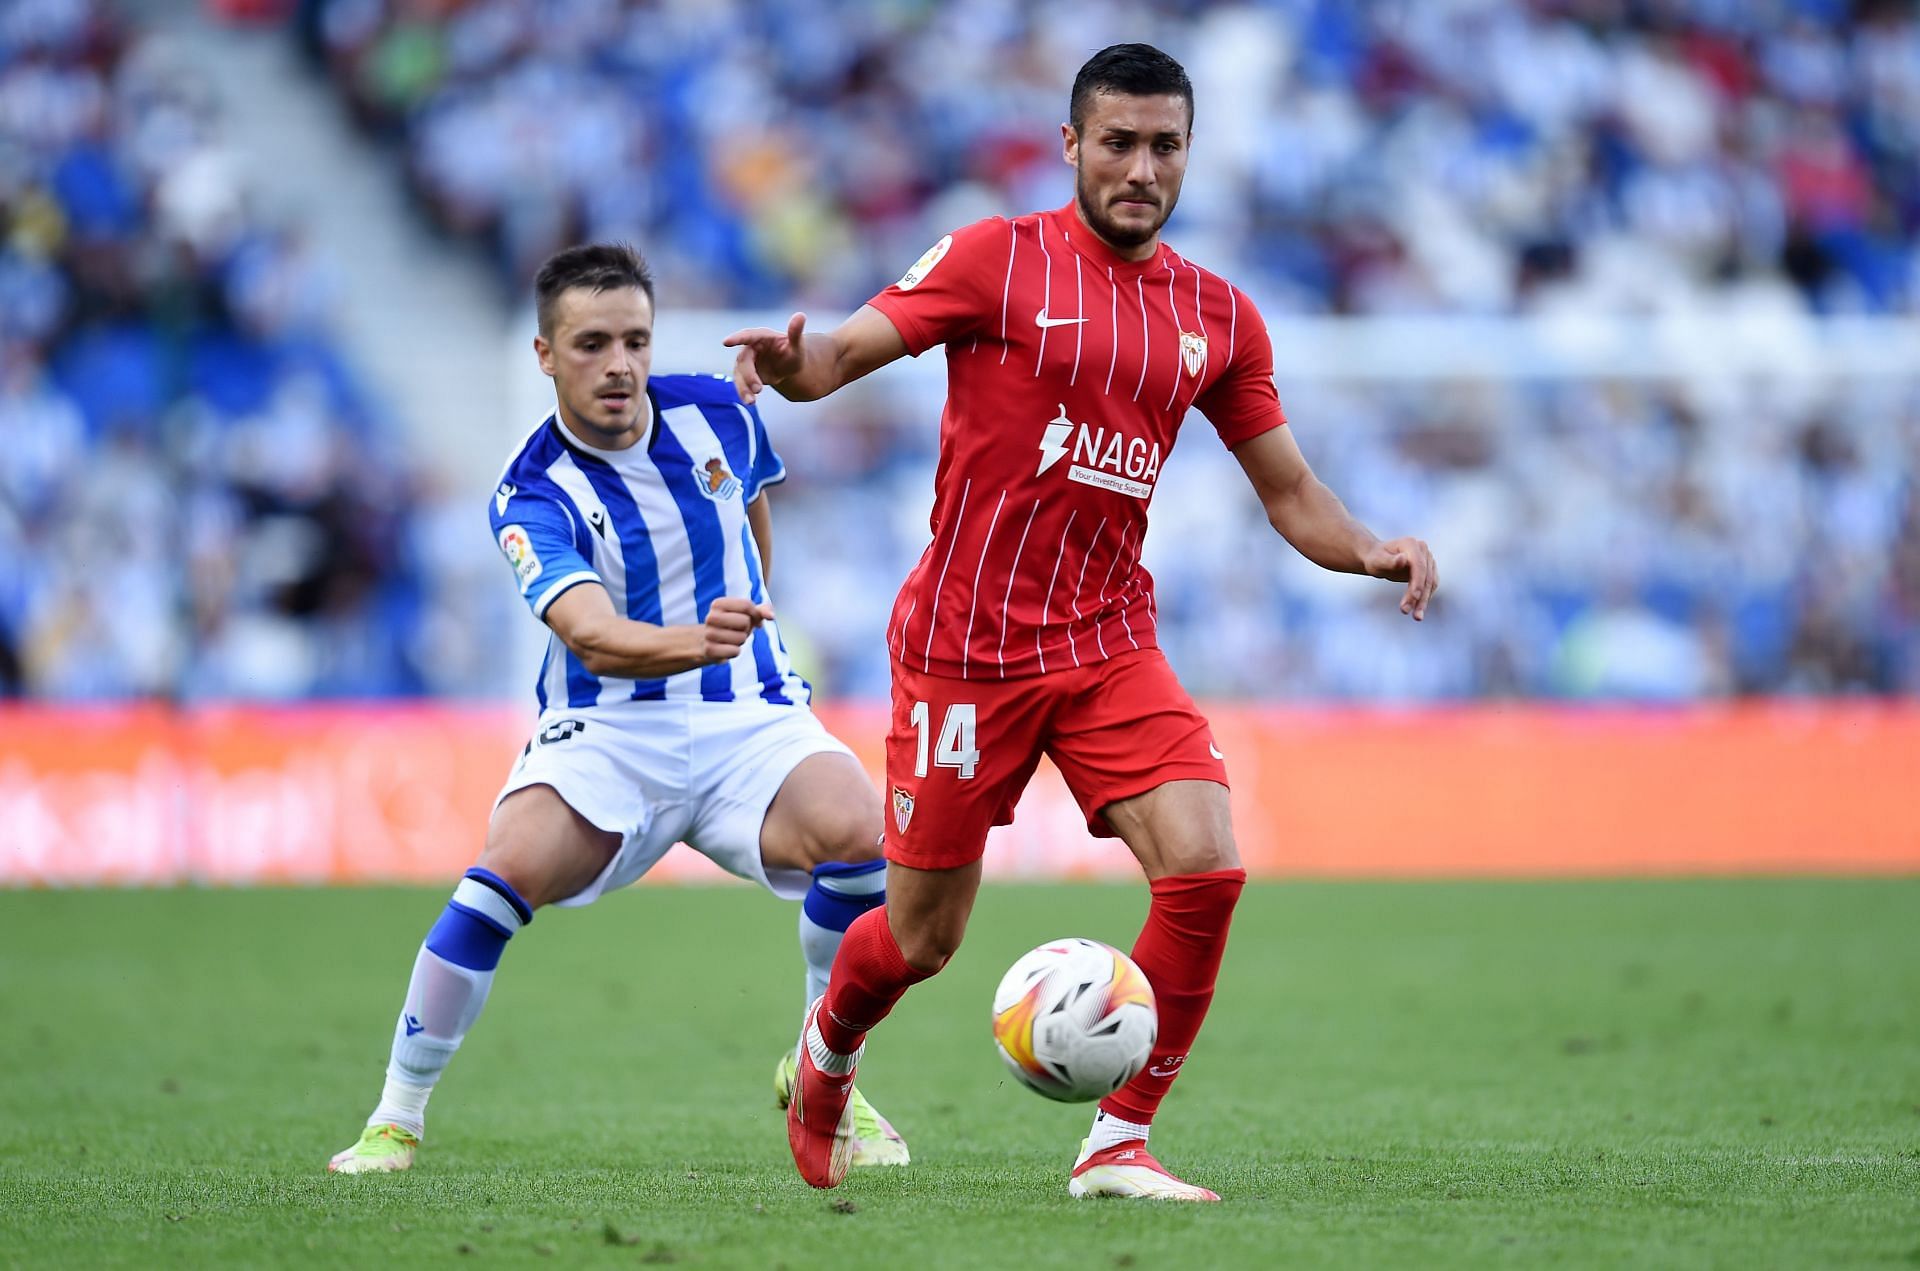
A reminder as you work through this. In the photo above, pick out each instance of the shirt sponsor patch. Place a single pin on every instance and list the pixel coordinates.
(924, 266)
(519, 552)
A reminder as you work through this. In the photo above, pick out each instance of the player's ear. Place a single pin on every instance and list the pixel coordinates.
(544, 351)
(1070, 145)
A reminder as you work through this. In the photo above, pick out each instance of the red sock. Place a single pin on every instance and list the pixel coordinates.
(869, 976)
(1180, 950)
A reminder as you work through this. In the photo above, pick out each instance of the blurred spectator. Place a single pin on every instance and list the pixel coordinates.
(194, 501)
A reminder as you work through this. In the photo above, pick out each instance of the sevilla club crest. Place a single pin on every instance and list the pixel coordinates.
(1193, 351)
(902, 809)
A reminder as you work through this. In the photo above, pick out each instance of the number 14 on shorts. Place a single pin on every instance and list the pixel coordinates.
(955, 747)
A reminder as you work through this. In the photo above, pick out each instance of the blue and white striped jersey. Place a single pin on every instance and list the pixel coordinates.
(661, 525)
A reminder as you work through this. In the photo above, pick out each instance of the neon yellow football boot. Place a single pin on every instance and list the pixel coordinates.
(382, 1148)
(875, 1141)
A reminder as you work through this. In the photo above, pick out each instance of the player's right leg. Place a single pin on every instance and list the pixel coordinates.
(1140, 759)
(937, 818)
(538, 850)
(884, 953)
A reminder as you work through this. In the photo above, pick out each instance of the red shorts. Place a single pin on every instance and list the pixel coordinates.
(959, 752)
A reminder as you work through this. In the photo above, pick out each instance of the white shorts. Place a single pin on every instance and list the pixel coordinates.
(661, 773)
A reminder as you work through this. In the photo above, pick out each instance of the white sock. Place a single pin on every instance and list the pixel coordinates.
(443, 1002)
(446, 994)
(818, 945)
(404, 1105)
(831, 1062)
(1110, 1131)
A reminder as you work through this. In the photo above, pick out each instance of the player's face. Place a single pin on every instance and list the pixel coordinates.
(599, 353)
(1129, 159)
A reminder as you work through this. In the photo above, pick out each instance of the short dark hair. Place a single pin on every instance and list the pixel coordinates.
(596, 266)
(1137, 70)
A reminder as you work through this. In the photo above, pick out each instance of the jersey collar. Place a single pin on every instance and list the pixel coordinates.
(630, 459)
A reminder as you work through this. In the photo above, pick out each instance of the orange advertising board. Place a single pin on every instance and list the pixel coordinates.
(326, 794)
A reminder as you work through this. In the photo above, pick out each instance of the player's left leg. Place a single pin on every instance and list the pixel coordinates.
(1182, 836)
(539, 849)
(1141, 760)
(825, 821)
(787, 805)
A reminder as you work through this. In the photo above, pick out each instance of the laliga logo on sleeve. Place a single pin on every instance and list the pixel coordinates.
(924, 266)
(519, 552)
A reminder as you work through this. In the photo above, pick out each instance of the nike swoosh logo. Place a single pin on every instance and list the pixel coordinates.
(1214, 751)
(1042, 321)
(414, 1026)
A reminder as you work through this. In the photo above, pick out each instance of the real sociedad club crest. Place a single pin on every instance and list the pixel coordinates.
(1193, 351)
(715, 481)
(902, 809)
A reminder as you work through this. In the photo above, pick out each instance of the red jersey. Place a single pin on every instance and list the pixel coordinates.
(1069, 371)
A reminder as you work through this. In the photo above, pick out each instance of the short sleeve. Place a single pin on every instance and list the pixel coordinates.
(538, 536)
(950, 290)
(768, 468)
(1243, 402)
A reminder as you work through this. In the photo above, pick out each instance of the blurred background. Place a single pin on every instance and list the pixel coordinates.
(1613, 302)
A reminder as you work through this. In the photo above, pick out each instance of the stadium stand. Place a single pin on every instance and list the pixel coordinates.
(1457, 156)
(197, 500)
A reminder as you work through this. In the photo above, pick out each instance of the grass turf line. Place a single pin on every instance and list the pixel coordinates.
(1700, 1073)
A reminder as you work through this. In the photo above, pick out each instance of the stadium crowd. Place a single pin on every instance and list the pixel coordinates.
(195, 500)
(199, 503)
(1397, 156)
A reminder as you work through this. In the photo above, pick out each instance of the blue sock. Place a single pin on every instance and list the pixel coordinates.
(840, 893)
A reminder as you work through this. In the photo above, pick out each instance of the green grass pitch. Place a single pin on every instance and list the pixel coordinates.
(1691, 1074)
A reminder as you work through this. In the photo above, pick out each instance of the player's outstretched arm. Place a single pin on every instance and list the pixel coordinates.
(1312, 518)
(805, 368)
(610, 645)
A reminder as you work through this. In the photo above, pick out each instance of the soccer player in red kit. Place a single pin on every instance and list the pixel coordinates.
(1076, 342)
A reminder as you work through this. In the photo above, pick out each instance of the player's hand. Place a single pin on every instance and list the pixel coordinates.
(731, 622)
(766, 356)
(1409, 561)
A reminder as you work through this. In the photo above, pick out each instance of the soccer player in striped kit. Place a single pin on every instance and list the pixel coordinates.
(1076, 343)
(635, 520)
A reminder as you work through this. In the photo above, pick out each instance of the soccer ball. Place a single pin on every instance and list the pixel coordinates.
(1074, 1019)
